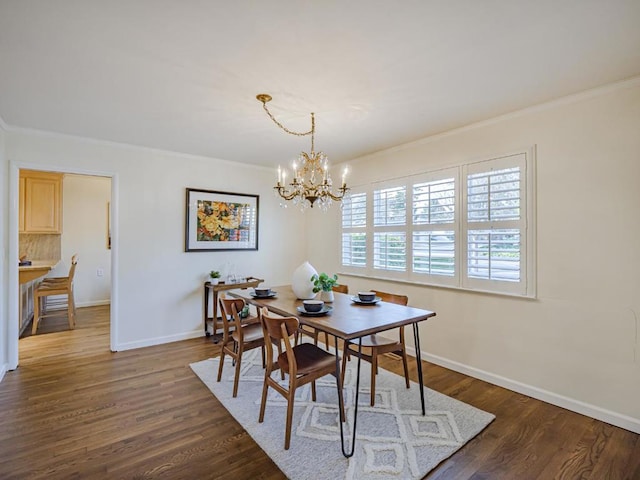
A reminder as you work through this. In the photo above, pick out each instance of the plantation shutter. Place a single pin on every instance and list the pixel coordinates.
(354, 236)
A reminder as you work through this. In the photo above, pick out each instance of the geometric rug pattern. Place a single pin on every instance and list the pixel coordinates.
(394, 440)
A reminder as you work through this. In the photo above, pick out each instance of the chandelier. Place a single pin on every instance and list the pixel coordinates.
(311, 181)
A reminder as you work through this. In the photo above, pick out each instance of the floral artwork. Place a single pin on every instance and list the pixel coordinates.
(221, 221)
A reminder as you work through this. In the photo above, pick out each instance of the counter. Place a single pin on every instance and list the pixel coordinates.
(27, 279)
(37, 269)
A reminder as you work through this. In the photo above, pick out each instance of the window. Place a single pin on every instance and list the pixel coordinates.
(468, 227)
(390, 241)
(354, 236)
(433, 208)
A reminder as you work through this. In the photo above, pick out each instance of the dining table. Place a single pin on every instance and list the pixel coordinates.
(348, 320)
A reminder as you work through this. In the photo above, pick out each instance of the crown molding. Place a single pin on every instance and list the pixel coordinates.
(128, 146)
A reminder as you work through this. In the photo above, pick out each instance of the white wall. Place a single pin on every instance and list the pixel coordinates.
(577, 344)
(84, 231)
(158, 294)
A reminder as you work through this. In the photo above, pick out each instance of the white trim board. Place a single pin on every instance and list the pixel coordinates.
(593, 411)
(151, 342)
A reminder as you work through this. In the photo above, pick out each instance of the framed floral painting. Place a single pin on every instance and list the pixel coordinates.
(221, 221)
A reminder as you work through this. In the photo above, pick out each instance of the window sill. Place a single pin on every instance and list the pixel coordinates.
(444, 287)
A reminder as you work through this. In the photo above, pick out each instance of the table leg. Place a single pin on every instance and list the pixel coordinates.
(215, 311)
(206, 309)
(416, 342)
(341, 400)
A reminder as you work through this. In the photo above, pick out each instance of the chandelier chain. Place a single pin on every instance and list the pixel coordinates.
(298, 134)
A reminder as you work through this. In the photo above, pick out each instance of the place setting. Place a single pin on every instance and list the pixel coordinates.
(314, 308)
(263, 292)
(365, 298)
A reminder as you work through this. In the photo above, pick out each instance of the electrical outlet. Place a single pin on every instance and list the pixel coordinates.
(100, 272)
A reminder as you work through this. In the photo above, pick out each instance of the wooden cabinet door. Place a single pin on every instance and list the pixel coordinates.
(42, 203)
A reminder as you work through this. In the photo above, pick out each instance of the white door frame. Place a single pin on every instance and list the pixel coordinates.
(13, 330)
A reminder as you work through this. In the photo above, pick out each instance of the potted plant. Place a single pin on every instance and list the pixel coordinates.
(215, 277)
(324, 283)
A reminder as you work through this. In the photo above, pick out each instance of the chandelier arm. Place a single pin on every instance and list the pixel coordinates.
(283, 193)
(291, 132)
(338, 197)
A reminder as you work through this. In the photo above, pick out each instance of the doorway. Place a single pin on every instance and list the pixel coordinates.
(89, 220)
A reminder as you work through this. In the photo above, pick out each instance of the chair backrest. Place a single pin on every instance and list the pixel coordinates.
(72, 269)
(392, 297)
(231, 308)
(341, 288)
(275, 330)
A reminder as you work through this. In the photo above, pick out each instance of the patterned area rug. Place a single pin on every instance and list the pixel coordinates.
(394, 440)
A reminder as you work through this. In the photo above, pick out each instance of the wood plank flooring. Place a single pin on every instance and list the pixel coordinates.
(73, 409)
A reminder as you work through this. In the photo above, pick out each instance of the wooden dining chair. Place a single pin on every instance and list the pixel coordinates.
(312, 332)
(303, 363)
(238, 336)
(374, 345)
(341, 288)
(62, 290)
(49, 280)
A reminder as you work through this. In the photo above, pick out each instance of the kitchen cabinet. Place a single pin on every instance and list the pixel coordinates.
(40, 202)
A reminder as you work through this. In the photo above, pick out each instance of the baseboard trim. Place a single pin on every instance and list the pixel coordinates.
(95, 303)
(151, 342)
(593, 411)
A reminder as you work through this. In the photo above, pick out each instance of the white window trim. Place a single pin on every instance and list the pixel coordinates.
(525, 288)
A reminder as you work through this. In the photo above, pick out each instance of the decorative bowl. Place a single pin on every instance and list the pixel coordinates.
(367, 296)
(313, 305)
(262, 291)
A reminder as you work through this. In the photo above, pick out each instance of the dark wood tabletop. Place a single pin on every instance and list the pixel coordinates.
(347, 320)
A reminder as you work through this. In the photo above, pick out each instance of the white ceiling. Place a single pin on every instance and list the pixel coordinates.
(182, 75)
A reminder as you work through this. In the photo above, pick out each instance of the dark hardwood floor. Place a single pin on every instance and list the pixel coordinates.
(73, 409)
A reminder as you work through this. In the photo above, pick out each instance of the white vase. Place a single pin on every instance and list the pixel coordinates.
(301, 283)
(214, 281)
(327, 297)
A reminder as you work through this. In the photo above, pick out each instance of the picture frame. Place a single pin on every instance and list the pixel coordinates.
(220, 221)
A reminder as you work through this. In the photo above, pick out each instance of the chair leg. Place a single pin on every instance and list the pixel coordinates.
(236, 378)
(406, 367)
(345, 357)
(374, 371)
(221, 364)
(36, 314)
(73, 303)
(70, 316)
(313, 391)
(263, 403)
(290, 399)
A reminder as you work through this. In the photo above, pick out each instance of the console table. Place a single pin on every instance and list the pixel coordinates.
(251, 282)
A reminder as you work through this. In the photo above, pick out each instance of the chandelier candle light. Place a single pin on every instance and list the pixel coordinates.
(311, 181)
